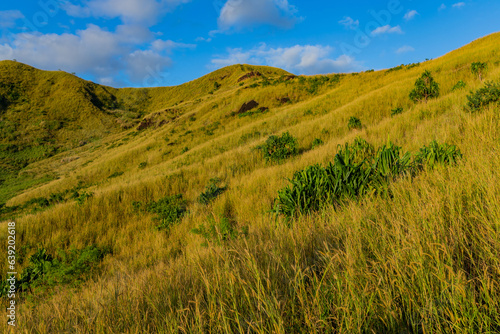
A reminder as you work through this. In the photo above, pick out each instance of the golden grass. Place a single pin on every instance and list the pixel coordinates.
(424, 260)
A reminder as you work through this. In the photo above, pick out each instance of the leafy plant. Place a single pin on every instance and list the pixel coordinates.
(217, 85)
(396, 111)
(354, 123)
(477, 68)
(184, 150)
(82, 197)
(425, 88)
(219, 232)
(459, 85)
(169, 210)
(357, 170)
(437, 154)
(482, 97)
(45, 269)
(316, 142)
(277, 149)
(212, 191)
(143, 165)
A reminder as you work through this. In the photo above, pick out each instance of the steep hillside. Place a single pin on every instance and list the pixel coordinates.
(174, 221)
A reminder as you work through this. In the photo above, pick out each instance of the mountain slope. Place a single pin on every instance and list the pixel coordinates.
(424, 259)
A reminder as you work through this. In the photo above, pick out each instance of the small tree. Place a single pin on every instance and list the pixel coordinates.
(477, 68)
(425, 88)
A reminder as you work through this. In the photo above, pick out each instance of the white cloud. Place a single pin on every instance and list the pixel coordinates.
(458, 5)
(405, 49)
(129, 11)
(349, 23)
(442, 7)
(387, 30)
(95, 51)
(240, 14)
(168, 46)
(142, 64)
(299, 59)
(203, 39)
(410, 15)
(8, 18)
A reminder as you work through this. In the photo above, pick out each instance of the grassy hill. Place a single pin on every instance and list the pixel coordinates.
(151, 210)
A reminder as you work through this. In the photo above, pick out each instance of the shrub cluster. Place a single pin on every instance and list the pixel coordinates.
(277, 149)
(65, 267)
(396, 111)
(482, 97)
(357, 170)
(212, 191)
(169, 210)
(354, 123)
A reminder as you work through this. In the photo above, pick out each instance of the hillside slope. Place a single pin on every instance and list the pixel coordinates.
(168, 216)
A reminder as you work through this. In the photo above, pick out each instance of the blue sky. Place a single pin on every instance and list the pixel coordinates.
(168, 42)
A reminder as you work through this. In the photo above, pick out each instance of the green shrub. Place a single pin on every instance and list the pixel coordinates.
(184, 150)
(356, 171)
(459, 85)
(212, 191)
(169, 210)
(277, 149)
(478, 68)
(354, 123)
(217, 85)
(437, 154)
(425, 88)
(482, 97)
(82, 197)
(316, 142)
(219, 232)
(396, 111)
(143, 165)
(66, 267)
(115, 174)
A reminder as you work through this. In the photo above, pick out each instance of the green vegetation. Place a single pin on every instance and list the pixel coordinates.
(356, 172)
(425, 88)
(277, 149)
(484, 96)
(477, 68)
(218, 233)
(45, 270)
(459, 85)
(316, 143)
(169, 210)
(354, 123)
(212, 191)
(396, 111)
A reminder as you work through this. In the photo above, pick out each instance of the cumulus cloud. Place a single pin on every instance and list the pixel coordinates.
(129, 11)
(300, 59)
(349, 23)
(442, 7)
(387, 30)
(95, 51)
(410, 15)
(405, 49)
(238, 14)
(458, 5)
